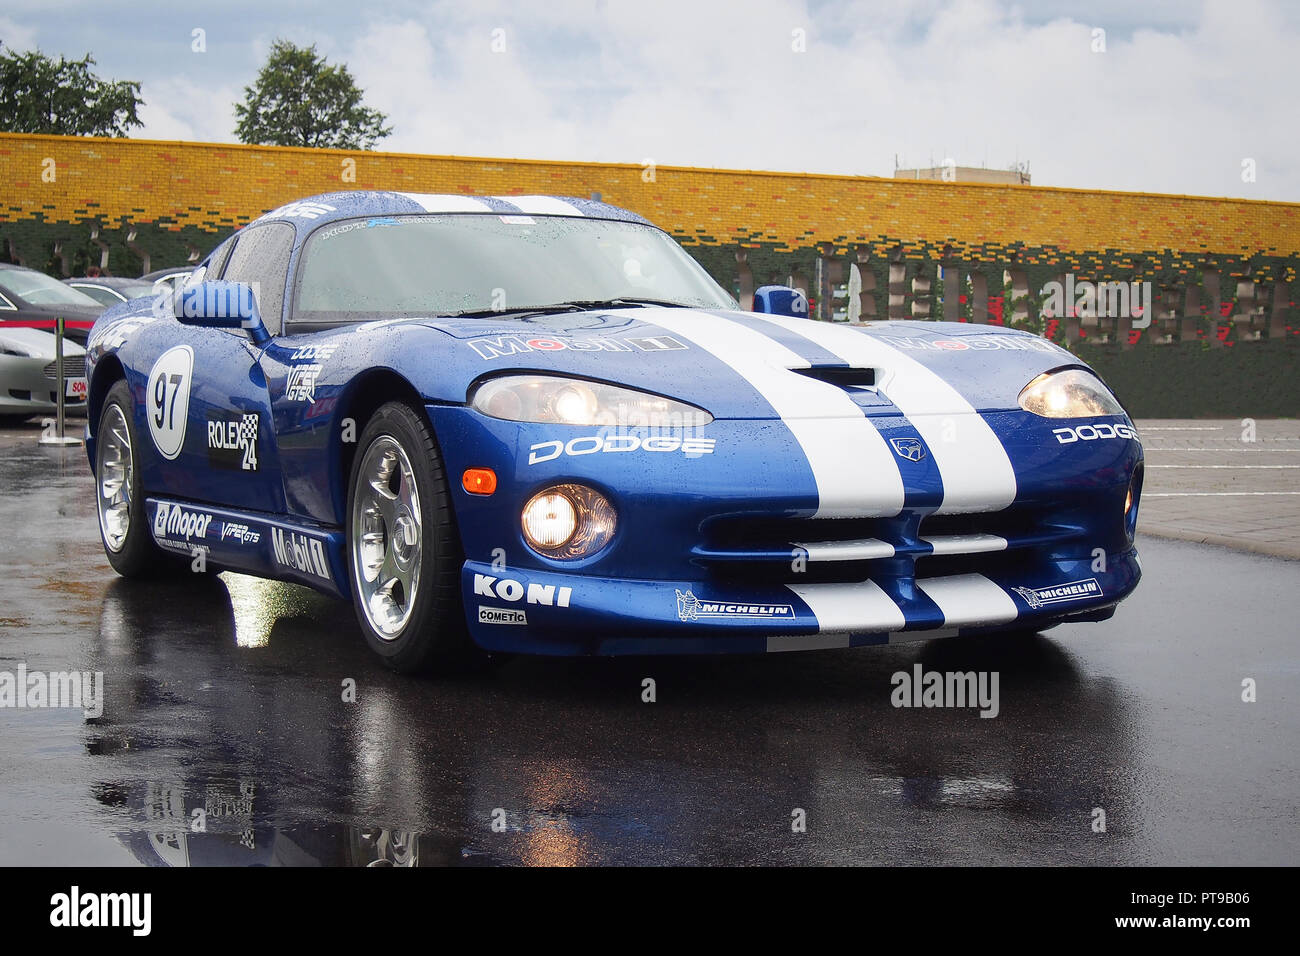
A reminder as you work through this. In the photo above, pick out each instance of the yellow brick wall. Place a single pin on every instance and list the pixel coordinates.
(215, 186)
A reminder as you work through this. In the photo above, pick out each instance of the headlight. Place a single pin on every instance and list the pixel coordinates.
(568, 521)
(1070, 393)
(552, 400)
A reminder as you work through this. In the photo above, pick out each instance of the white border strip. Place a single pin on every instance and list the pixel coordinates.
(966, 543)
(968, 599)
(432, 202)
(542, 205)
(854, 608)
(863, 549)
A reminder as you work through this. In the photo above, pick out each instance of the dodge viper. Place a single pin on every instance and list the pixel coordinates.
(535, 424)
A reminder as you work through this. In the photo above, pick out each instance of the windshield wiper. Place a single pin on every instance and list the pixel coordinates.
(577, 305)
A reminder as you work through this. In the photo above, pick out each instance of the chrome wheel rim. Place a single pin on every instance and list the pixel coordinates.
(387, 537)
(115, 472)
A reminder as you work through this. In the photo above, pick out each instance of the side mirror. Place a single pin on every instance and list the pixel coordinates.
(220, 304)
(781, 300)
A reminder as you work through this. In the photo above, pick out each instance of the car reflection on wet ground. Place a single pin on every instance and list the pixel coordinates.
(245, 722)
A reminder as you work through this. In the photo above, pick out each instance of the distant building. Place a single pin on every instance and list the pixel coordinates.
(967, 174)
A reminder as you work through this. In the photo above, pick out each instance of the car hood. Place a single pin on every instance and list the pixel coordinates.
(39, 341)
(745, 365)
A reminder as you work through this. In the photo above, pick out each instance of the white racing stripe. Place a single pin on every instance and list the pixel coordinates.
(542, 205)
(864, 549)
(966, 543)
(968, 599)
(851, 608)
(437, 203)
(976, 472)
(856, 473)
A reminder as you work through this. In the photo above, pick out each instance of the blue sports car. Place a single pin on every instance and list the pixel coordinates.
(534, 424)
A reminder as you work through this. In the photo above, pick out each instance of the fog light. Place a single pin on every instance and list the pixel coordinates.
(568, 521)
(550, 519)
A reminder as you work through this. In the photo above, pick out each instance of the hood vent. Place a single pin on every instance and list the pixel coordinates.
(840, 375)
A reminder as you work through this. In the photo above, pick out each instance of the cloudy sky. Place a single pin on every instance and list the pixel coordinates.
(1182, 96)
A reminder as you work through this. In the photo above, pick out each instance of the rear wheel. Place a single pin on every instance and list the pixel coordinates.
(404, 555)
(123, 527)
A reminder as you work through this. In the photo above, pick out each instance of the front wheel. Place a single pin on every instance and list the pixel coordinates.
(123, 527)
(404, 555)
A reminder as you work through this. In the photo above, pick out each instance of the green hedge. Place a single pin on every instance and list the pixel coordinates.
(1189, 380)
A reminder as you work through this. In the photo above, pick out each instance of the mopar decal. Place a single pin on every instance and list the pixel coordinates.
(501, 615)
(232, 440)
(691, 608)
(173, 521)
(590, 444)
(300, 552)
(168, 399)
(1074, 591)
(1069, 435)
(522, 344)
(508, 589)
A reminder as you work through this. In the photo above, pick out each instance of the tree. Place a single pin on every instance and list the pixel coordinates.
(300, 100)
(42, 95)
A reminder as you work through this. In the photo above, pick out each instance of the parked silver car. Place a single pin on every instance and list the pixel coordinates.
(29, 378)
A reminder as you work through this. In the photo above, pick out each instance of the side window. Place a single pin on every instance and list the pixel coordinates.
(220, 257)
(261, 258)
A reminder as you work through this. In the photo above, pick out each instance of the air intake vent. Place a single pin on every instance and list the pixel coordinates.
(839, 375)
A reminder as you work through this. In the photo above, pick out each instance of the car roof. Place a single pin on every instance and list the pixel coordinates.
(307, 213)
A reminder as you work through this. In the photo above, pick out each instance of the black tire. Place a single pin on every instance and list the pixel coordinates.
(434, 637)
(138, 556)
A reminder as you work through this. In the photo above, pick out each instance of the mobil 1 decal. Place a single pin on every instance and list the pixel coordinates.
(168, 399)
(232, 440)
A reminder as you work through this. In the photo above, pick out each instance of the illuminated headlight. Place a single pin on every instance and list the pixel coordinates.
(568, 521)
(1069, 393)
(553, 400)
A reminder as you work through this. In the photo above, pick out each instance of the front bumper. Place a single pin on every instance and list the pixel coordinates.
(720, 552)
(26, 389)
(614, 616)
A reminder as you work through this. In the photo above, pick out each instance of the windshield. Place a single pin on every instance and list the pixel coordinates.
(447, 265)
(39, 289)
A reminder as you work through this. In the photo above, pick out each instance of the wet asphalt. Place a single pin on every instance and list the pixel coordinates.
(226, 739)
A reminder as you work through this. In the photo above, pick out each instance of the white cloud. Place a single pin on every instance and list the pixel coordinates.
(1181, 96)
(15, 36)
(1173, 109)
(181, 109)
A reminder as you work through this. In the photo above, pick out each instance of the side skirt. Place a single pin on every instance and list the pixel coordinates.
(268, 546)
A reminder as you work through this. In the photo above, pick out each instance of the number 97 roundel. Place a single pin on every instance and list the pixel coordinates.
(169, 399)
